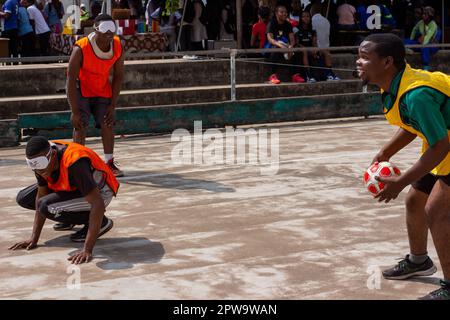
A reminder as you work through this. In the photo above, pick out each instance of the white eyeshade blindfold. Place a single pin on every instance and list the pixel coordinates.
(106, 26)
(39, 163)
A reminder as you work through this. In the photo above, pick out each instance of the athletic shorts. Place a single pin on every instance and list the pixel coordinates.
(426, 183)
(97, 106)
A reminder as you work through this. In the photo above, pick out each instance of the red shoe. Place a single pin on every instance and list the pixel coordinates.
(114, 168)
(274, 79)
(297, 78)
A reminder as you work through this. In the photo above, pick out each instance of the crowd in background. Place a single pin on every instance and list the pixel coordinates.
(28, 23)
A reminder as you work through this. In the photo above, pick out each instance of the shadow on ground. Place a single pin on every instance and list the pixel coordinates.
(171, 181)
(117, 253)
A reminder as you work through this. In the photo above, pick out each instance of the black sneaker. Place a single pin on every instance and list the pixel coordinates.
(80, 235)
(61, 226)
(406, 269)
(443, 293)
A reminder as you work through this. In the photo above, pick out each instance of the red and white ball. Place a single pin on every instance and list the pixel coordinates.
(379, 169)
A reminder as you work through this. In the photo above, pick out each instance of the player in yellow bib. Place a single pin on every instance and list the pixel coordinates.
(417, 102)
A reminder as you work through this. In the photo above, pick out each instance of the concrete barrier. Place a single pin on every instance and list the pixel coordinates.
(165, 119)
(11, 107)
(9, 133)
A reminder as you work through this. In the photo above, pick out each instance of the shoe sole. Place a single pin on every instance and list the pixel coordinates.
(99, 235)
(427, 272)
(107, 229)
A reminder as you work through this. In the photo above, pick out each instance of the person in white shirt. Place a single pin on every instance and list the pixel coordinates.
(41, 29)
(346, 16)
(321, 25)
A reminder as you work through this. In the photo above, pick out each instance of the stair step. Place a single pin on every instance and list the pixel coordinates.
(11, 106)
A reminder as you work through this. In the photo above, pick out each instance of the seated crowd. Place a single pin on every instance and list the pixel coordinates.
(265, 23)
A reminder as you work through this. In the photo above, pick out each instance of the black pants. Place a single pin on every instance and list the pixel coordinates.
(66, 207)
(284, 73)
(27, 45)
(13, 40)
(44, 43)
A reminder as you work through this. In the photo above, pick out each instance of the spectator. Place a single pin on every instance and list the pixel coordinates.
(41, 29)
(295, 14)
(259, 38)
(249, 18)
(9, 13)
(214, 10)
(346, 16)
(322, 27)
(425, 32)
(84, 14)
(387, 20)
(413, 19)
(26, 33)
(168, 26)
(362, 15)
(53, 13)
(228, 21)
(136, 8)
(280, 35)
(198, 34)
(306, 38)
(96, 8)
(152, 6)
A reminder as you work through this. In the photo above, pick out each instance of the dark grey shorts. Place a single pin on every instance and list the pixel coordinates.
(426, 183)
(97, 106)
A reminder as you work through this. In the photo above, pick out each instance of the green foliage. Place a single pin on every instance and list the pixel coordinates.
(170, 7)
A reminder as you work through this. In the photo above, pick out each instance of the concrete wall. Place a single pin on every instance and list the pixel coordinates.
(50, 79)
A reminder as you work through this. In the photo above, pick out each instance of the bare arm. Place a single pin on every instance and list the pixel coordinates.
(274, 42)
(95, 221)
(118, 71)
(117, 78)
(430, 159)
(39, 221)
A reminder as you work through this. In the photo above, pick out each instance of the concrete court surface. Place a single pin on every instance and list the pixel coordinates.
(311, 231)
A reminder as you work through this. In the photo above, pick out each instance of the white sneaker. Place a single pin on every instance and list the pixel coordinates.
(311, 80)
(331, 77)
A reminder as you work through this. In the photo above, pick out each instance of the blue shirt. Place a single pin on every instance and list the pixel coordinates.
(11, 7)
(24, 22)
(52, 15)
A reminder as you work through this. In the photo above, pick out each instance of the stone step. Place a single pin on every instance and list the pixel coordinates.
(11, 106)
(49, 79)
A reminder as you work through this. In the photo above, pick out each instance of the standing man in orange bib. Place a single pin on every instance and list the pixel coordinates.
(89, 90)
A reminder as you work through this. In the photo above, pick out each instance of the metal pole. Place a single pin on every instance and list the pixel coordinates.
(443, 21)
(181, 26)
(239, 23)
(233, 73)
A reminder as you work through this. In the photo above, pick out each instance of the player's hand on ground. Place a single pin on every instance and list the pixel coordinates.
(76, 121)
(81, 256)
(392, 187)
(109, 116)
(28, 245)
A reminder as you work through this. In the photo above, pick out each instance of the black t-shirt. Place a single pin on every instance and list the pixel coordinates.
(305, 37)
(280, 31)
(80, 175)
